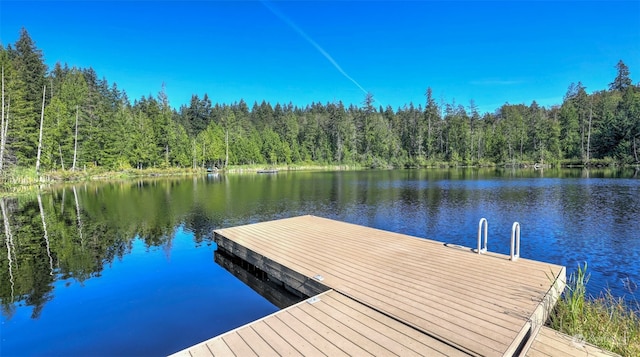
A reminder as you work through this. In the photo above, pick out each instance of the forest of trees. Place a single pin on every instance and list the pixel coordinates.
(88, 122)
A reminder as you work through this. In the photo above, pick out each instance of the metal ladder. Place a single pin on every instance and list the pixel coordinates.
(483, 222)
(515, 238)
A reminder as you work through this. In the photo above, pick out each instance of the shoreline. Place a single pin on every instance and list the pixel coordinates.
(21, 179)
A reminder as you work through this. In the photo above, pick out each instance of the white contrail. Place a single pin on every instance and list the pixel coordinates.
(312, 42)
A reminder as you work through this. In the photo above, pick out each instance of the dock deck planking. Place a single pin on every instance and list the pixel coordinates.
(218, 349)
(299, 344)
(239, 345)
(411, 263)
(448, 297)
(551, 343)
(393, 333)
(312, 329)
(460, 286)
(279, 344)
(397, 268)
(200, 351)
(337, 335)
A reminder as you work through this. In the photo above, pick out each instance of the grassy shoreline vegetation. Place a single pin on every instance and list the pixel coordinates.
(605, 321)
(23, 180)
(17, 180)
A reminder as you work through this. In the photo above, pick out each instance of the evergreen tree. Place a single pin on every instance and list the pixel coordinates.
(570, 123)
(10, 90)
(622, 80)
(29, 63)
(143, 147)
(164, 129)
(432, 119)
(26, 99)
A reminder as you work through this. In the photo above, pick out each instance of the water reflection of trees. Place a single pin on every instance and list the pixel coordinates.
(45, 241)
(70, 234)
(27, 277)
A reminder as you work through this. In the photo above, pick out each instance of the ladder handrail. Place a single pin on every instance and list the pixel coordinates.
(515, 240)
(486, 228)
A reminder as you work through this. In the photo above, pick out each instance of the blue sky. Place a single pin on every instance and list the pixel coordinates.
(306, 51)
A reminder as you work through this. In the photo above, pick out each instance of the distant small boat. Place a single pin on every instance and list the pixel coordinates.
(270, 171)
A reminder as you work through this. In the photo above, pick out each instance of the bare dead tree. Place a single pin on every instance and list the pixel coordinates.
(9, 242)
(46, 234)
(44, 90)
(226, 144)
(75, 144)
(589, 133)
(3, 144)
(3, 128)
(78, 216)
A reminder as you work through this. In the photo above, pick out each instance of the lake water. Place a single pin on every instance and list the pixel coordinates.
(128, 268)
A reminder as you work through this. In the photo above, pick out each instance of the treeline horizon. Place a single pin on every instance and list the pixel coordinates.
(69, 119)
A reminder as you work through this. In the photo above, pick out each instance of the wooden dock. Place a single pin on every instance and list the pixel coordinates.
(383, 293)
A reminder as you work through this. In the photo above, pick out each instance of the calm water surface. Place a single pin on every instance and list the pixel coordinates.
(128, 268)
